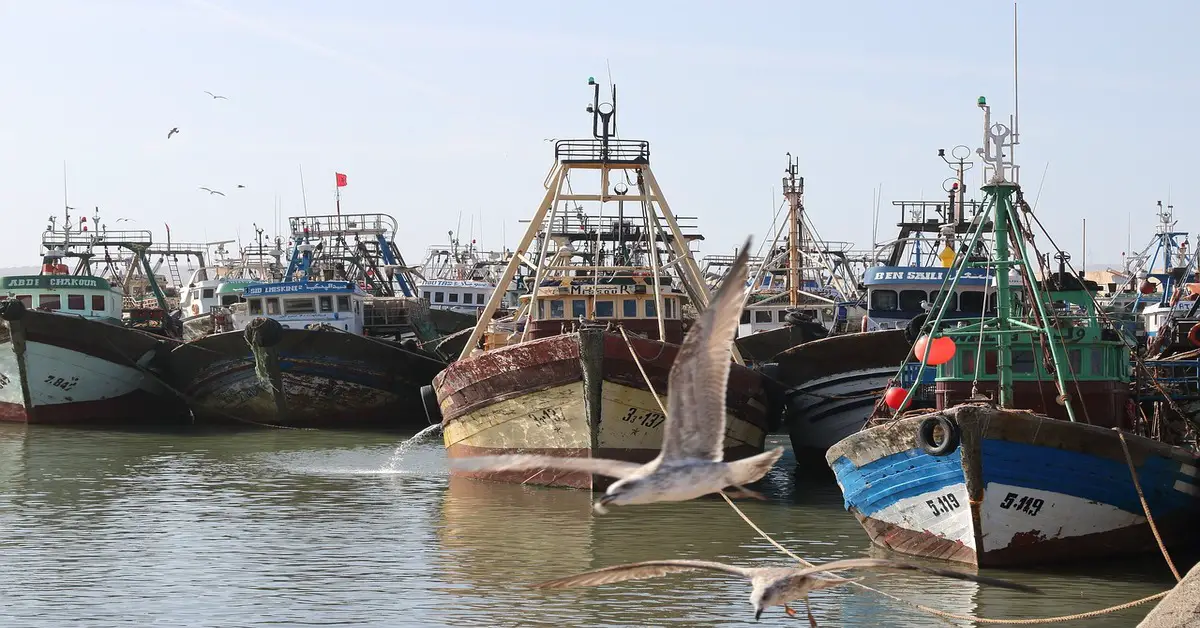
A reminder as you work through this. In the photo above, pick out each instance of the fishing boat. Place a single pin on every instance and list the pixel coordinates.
(207, 298)
(804, 289)
(1031, 453)
(331, 346)
(834, 384)
(69, 351)
(457, 280)
(576, 370)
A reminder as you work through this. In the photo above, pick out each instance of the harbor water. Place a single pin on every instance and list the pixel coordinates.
(298, 527)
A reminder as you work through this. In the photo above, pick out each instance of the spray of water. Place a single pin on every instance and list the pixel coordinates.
(398, 455)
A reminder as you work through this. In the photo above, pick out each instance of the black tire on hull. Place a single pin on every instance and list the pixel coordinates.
(433, 410)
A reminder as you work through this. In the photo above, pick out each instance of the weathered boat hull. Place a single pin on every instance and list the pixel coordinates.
(764, 345)
(1020, 489)
(310, 378)
(577, 395)
(62, 369)
(832, 386)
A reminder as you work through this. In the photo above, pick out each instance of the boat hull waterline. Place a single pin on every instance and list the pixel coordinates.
(62, 369)
(577, 395)
(1020, 489)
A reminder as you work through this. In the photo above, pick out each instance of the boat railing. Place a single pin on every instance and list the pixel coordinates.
(1178, 379)
(342, 225)
(612, 151)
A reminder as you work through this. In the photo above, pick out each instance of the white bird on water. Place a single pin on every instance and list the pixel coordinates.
(691, 463)
(771, 586)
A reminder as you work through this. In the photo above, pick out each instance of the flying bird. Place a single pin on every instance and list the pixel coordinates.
(240, 186)
(771, 586)
(211, 192)
(172, 132)
(214, 95)
(122, 220)
(691, 463)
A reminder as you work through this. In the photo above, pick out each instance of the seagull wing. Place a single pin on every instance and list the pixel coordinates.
(216, 192)
(885, 564)
(210, 93)
(524, 462)
(640, 571)
(696, 386)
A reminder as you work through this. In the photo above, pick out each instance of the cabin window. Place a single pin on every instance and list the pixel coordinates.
(781, 315)
(480, 298)
(25, 299)
(605, 309)
(968, 361)
(556, 309)
(910, 300)
(578, 308)
(989, 362)
(325, 303)
(298, 306)
(357, 306)
(256, 306)
(629, 308)
(651, 308)
(668, 308)
(762, 316)
(272, 305)
(1075, 357)
(745, 317)
(541, 309)
(426, 295)
(75, 302)
(991, 301)
(208, 293)
(195, 294)
(439, 297)
(49, 302)
(951, 297)
(1096, 358)
(229, 299)
(1022, 362)
(98, 302)
(883, 300)
(970, 301)
(468, 297)
(343, 303)
(453, 297)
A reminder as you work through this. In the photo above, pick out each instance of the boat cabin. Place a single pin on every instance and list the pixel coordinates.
(562, 304)
(300, 304)
(897, 294)
(460, 295)
(1099, 362)
(78, 295)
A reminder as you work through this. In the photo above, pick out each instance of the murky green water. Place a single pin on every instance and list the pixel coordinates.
(287, 528)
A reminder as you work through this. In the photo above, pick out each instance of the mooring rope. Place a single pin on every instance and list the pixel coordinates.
(1145, 506)
(921, 607)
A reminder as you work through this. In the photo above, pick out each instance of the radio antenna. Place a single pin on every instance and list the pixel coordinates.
(1016, 117)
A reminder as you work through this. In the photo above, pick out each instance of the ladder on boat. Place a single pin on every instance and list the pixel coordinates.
(173, 269)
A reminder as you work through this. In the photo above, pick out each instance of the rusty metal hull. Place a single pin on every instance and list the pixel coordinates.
(577, 395)
(832, 385)
(63, 369)
(1020, 489)
(765, 345)
(325, 379)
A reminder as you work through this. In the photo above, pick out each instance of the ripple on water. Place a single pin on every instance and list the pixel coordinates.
(296, 527)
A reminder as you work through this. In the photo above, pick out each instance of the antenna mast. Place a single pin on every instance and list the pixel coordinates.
(1016, 117)
(793, 191)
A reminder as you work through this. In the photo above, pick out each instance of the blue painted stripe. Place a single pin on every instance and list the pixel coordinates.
(881, 483)
(1088, 477)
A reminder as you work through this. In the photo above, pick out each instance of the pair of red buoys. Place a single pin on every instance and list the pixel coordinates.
(937, 352)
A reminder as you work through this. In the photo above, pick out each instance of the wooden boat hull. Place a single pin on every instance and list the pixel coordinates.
(61, 369)
(577, 395)
(324, 379)
(832, 385)
(1021, 489)
(765, 345)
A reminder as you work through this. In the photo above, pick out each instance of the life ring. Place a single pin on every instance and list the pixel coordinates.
(196, 308)
(1194, 335)
(950, 436)
(433, 410)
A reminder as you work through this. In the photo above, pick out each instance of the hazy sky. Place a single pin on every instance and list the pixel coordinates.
(436, 108)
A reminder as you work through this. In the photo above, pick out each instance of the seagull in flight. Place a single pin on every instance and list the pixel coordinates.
(211, 192)
(215, 97)
(691, 463)
(240, 186)
(771, 586)
(122, 220)
(172, 132)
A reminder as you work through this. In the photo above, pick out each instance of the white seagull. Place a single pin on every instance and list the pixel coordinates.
(691, 463)
(771, 586)
(211, 192)
(215, 97)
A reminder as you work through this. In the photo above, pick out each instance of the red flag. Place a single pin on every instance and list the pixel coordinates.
(341, 179)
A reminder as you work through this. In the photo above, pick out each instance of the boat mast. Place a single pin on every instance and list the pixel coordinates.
(793, 191)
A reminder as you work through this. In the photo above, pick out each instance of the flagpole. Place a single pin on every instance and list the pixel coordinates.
(337, 194)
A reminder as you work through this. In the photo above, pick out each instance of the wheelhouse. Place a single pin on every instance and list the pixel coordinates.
(78, 295)
(897, 294)
(628, 299)
(302, 304)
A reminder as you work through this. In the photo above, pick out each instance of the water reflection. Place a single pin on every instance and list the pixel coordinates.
(289, 527)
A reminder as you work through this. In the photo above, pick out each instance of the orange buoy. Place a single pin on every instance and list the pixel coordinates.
(937, 352)
(894, 396)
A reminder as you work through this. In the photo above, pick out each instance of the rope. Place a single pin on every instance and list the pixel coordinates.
(945, 615)
(1146, 507)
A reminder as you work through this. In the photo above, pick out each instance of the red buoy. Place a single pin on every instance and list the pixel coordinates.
(939, 351)
(894, 396)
